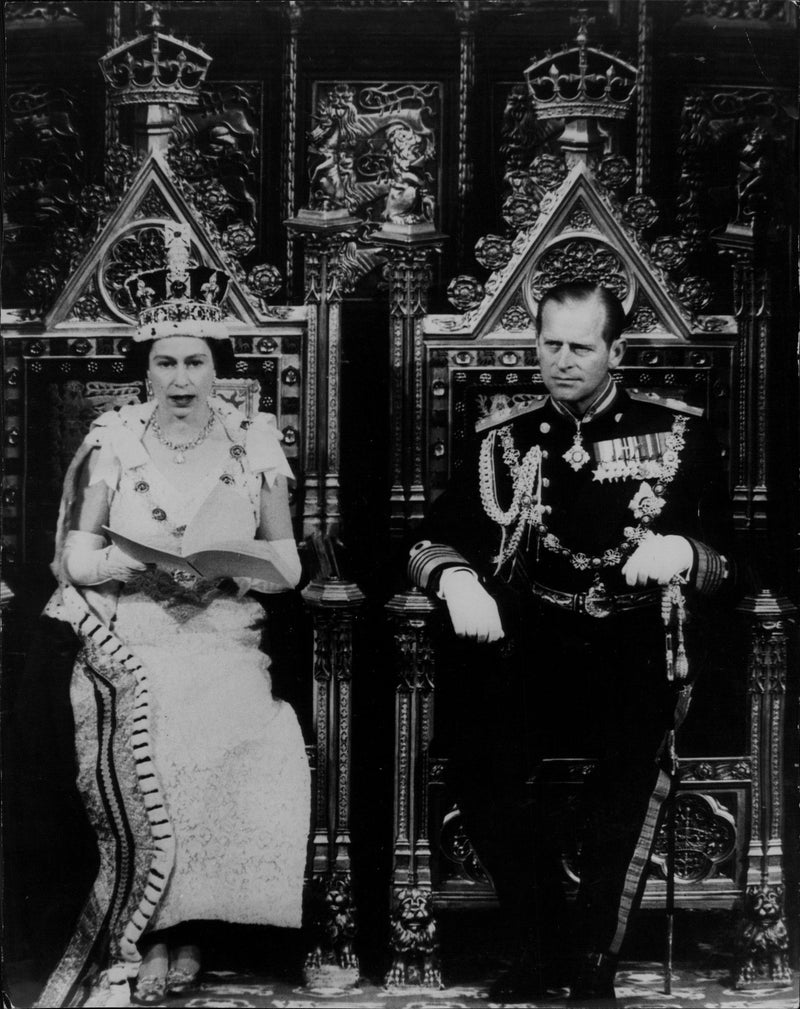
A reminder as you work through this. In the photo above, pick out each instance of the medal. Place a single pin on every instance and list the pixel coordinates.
(576, 455)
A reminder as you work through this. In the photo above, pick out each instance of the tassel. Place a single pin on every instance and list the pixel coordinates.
(673, 616)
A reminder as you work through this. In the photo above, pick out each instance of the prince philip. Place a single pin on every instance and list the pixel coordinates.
(569, 550)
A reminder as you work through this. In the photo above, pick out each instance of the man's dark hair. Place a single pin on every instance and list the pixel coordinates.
(221, 354)
(583, 290)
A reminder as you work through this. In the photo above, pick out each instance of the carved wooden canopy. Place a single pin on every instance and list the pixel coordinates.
(483, 359)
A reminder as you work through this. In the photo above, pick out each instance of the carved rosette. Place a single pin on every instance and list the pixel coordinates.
(87, 308)
(264, 280)
(548, 171)
(668, 252)
(212, 197)
(520, 211)
(465, 292)
(580, 220)
(695, 293)
(239, 239)
(41, 284)
(640, 212)
(516, 319)
(493, 251)
(67, 243)
(644, 320)
(614, 171)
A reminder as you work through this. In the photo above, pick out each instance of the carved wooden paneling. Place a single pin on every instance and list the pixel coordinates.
(374, 149)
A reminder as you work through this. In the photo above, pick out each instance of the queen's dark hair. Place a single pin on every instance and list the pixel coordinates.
(581, 291)
(221, 354)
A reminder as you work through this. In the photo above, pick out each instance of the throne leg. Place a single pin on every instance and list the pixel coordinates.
(762, 942)
(331, 961)
(332, 924)
(414, 942)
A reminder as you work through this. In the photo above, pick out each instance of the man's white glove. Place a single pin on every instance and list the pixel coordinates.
(88, 561)
(658, 559)
(472, 610)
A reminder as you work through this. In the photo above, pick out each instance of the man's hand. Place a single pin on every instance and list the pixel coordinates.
(472, 610)
(658, 559)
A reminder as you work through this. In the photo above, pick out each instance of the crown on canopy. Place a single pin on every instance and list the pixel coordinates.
(581, 81)
(155, 67)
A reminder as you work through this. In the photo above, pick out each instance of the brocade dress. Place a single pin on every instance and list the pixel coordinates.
(220, 817)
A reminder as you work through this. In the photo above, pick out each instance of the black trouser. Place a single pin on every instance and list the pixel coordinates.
(571, 687)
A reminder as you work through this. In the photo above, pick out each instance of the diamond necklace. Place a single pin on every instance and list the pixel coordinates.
(181, 449)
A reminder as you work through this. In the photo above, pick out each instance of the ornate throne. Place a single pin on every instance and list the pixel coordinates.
(568, 219)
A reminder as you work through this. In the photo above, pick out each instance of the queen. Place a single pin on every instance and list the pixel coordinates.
(193, 775)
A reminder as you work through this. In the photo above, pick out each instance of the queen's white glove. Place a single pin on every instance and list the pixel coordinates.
(88, 561)
(658, 559)
(472, 610)
(289, 560)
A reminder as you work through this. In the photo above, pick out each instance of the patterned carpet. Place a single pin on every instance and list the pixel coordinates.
(638, 985)
(257, 969)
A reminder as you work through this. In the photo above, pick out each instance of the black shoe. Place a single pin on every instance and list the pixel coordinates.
(595, 979)
(514, 986)
(522, 983)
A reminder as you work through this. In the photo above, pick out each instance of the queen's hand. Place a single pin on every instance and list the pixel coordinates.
(88, 561)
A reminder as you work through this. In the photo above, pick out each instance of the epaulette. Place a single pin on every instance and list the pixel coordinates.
(676, 405)
(503, 408)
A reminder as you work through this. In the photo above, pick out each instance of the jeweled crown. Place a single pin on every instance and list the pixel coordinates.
(156, 67)
(183, 299)
(581, 81)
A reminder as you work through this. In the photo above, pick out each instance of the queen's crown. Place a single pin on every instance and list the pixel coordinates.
(581, 81)
(183, 298)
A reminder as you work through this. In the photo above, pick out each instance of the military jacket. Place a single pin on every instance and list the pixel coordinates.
(646, 467)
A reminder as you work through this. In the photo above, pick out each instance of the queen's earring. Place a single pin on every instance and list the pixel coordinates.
(148, 387)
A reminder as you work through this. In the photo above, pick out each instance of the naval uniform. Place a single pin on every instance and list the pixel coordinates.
(545, 510)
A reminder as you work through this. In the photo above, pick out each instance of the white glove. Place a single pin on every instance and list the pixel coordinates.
(658, 559)
(472, 610)
(88, 561)
(287, 556)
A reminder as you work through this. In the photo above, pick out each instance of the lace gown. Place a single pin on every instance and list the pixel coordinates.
(229, 756)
